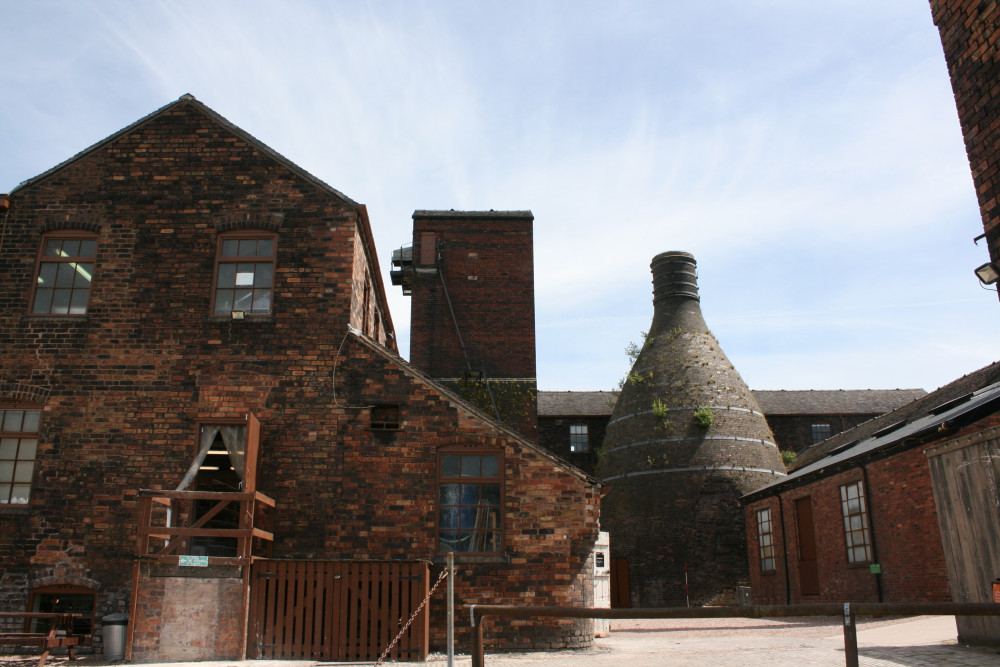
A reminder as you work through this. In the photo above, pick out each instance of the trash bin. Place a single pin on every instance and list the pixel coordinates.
(113, 633)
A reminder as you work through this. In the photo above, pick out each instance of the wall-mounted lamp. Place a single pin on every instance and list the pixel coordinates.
(473, 375)
(988, 273)
(239, 315)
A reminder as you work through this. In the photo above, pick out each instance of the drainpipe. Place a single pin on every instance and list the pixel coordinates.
(871, 530)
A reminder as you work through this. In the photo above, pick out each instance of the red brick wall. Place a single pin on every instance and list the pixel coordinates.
(905, 528)
(970, 30)
(188, 619)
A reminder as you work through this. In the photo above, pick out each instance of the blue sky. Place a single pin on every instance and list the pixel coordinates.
(809, 154)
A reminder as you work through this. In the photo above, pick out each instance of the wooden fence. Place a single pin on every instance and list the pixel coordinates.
(337, 610)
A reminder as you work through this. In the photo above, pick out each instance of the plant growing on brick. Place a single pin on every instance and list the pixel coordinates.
(703, 416)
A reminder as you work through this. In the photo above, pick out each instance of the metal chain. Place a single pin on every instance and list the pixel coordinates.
(381, 659)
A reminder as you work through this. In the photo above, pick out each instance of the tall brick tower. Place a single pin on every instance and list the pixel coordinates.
(470, 275)
(685, 441)
(970, 36)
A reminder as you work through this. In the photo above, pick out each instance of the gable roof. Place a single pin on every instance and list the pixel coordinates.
(189, 100)
(834, 402)
(965, 400)
(576, 403)
(510, 433)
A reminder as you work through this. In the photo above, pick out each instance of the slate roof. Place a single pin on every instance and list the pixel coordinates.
(576, 403)
(964, 400)
(835, 402)
(810, 402)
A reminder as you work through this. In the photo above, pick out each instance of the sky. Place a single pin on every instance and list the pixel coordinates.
(808, 154)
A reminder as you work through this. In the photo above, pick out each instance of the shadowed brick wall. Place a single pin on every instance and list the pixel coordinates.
(969, 31)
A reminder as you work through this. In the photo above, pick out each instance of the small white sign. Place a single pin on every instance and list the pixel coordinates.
(192, 561)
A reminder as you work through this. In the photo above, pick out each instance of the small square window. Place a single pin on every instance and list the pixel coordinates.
(385, 417)
(578, 438)
(820, 432)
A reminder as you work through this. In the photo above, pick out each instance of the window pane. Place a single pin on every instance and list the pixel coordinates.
(491, 463)
(43, 301)
(229, 247)
(449, 465)
(262, 301)
(78, 303)
(244, 275)
(6, 471)
(23, 470)
(470, 466)
(263, 275)
(449, 517)
(242, 299)
(449, 494)
(31, 421)
(248, 248)
(490, 494)
(60, 301)
(449, 541)
(71, 248)
(227, 275)
(84, 273)
(27, 448)
(19, 494)
(8, 448)
(468, 520)
(265, 247)
(223, 301)
(12, 420)
(87, 248)
(64, 276)
(470, 494)
(53, 247)
(47, 273)
(4, 492)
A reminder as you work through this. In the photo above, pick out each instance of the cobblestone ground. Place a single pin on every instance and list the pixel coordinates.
(733, 642)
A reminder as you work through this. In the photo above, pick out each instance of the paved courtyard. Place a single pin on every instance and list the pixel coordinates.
(928, 641)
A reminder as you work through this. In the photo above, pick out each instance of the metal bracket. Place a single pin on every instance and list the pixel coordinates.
(847, 614)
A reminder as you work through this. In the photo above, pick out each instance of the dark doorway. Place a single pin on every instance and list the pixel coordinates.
(808, 571)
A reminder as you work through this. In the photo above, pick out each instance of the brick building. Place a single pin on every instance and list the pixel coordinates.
(856, 519)
(471, 279)
(197, 346)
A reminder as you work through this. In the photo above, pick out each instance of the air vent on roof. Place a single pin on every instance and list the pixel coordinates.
(948, 405)
(889, 429)
(843, 447)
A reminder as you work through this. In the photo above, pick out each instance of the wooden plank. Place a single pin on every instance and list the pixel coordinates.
(343, 613)
(384, 608)
(308, 610)
(395, 613)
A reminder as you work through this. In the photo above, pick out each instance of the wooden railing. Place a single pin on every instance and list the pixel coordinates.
(173, 524)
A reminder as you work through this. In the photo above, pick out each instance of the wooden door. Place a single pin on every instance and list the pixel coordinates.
(620, 595)
(808, 571)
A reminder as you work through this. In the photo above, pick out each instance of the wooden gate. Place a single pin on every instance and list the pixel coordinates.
(337, 610)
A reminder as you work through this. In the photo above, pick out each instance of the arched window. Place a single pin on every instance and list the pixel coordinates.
(65, 599)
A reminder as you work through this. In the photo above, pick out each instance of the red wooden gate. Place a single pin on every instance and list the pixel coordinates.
(337, 610)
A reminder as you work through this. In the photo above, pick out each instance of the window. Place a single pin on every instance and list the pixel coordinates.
(469, 503)
(63, 275)
(578, 438)
(65, 599)
(820, 432)
(244, 274)
(385, 417)
(18, 442)
(765, 539)
(859, 544)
